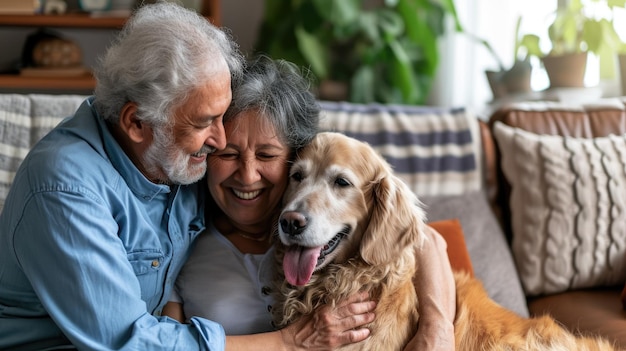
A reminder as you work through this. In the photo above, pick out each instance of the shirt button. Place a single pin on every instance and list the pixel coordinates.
(155, 263)
(266, 290)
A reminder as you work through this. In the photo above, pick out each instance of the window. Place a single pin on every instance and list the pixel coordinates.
(462, 80)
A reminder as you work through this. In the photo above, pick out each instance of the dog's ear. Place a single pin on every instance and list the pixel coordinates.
(395, 223)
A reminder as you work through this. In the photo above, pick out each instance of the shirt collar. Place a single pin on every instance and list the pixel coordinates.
(136, 181)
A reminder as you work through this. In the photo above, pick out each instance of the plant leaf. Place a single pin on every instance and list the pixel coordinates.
(570, 31)
(616, 3)
(592, 35)
(339, 13)
(402, 74)
(362, 85)
(390, 23)
(313, 51)
(531, 43)
(368, 25)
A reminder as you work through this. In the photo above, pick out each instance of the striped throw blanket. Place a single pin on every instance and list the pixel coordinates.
(24, 119)
(436, 151)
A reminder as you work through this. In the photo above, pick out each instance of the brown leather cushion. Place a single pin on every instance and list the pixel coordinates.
(458, 255)
(597, 312)
(586, 121)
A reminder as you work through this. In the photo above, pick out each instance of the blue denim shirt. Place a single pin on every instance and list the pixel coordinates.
(90, 249)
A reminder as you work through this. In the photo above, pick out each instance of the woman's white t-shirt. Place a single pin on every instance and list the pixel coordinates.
(221, 284)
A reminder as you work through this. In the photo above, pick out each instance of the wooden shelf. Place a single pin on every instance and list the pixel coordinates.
(78, 20)
(210, 9)
(13, 81)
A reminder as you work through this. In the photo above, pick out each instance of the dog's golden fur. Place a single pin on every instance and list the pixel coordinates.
(341, 185)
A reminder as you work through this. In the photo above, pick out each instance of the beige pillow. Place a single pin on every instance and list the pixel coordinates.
(568, 206)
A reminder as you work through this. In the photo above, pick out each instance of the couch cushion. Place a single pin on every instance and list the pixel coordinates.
(24, 119)
(592, 312)
(587, 120)
(452, 231)
(436, 151)
(568, 209)
(489, 252)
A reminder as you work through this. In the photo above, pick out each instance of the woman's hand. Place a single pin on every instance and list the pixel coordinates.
(328, 328)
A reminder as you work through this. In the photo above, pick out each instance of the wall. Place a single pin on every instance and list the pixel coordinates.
(243, 24)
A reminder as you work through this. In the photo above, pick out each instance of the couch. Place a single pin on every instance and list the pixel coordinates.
(466, 169)
(569, 172)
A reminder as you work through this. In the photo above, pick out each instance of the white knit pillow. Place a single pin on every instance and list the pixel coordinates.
(568, 205)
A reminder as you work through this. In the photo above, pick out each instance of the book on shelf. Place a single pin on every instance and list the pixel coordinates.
(19, 7)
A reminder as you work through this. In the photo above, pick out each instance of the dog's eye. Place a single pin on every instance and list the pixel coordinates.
(296, 176)
(342, 182)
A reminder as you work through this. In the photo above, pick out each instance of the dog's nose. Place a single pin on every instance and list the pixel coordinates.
(292, 223)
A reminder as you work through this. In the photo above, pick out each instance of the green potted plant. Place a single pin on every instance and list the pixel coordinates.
(515, 80)
(385, 51)
(575, 31)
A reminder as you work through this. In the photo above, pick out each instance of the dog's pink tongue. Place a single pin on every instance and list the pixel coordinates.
(299, 263)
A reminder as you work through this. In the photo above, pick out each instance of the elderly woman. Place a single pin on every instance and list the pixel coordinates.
(228, 276)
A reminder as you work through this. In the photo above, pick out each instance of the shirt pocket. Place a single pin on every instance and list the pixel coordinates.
(196, 227)
(147, 266)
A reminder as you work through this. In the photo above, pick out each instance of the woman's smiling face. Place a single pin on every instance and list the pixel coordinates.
(248, 177)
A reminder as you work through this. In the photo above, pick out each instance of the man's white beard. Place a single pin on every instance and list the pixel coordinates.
(164, 159)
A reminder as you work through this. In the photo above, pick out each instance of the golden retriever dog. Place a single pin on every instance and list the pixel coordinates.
(349, 225)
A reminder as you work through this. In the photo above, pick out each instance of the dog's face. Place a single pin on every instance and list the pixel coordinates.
(336, 186)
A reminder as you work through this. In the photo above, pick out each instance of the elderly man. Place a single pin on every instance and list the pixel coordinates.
(104, 209)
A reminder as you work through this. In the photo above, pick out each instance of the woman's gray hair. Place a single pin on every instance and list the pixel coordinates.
(280, 92)
(161, 55)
